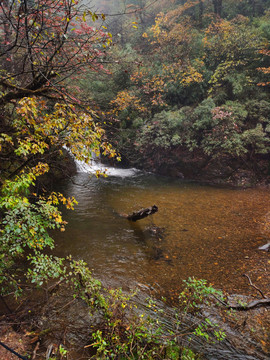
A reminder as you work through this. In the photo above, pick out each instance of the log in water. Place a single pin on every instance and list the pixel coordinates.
(143, 213)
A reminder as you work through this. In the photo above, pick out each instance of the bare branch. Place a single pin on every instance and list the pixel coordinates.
(254, 286)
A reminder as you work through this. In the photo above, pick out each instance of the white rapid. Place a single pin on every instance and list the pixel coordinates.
(95, 166)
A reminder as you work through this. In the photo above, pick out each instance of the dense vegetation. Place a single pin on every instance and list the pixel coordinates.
(42, 45)
(189, 87)
(186, 85)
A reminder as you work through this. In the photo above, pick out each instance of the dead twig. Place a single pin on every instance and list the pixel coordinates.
(35, 350)
(254, 286)
(245, 307)
(69, 303)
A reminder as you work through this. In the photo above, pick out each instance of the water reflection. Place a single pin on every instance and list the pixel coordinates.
(201, 231)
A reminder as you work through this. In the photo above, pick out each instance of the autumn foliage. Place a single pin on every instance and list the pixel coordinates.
(45, 42)
(193, 62)
(44, 47)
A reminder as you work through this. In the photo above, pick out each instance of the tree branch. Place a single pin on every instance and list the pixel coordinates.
(254, 286)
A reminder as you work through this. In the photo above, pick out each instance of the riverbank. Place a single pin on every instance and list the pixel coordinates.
(61, 327)
(218, 172)
(54, 324)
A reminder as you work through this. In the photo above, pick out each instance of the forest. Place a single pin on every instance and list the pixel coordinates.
(188, 89)
(176, 88)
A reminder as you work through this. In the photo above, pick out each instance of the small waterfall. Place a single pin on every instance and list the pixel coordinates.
(95, 165)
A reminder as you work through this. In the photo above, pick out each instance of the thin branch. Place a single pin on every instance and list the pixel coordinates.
(254, 286)
(135, 11)
(253, 304)
(35, 350)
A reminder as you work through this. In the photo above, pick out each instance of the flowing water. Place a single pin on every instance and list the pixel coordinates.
(199, 230)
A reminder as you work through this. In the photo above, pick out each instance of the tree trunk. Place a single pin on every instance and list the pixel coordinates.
(201, 13)
(217, 7)
(141, 214)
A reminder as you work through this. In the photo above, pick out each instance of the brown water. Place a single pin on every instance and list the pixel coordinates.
(208, 232)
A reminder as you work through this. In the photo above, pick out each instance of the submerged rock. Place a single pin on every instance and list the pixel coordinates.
(265, 247)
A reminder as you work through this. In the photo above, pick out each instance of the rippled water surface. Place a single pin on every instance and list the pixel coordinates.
(202, 231)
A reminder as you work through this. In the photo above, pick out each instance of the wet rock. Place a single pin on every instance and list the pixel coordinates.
(155, 231)
(265, 247)
(157, 253)
(69, 319)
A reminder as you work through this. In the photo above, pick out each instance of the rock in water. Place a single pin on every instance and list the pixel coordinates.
(265, 247)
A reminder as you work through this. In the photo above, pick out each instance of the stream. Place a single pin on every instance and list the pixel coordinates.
(199, 230)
